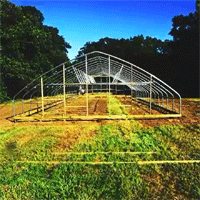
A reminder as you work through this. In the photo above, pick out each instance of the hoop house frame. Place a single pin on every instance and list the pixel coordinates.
(99, 74)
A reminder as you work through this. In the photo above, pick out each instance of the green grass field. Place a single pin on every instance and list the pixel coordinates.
(92, 161)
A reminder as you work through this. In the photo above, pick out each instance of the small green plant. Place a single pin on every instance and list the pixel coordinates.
(115, 107)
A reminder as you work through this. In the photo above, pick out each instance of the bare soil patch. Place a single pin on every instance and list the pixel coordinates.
(98, 106)
(189, 111)
(137, 107)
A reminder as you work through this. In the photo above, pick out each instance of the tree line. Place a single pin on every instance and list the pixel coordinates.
(30, 48)
(176, 61)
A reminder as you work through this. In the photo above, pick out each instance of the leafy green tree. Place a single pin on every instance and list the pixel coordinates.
(28, 47)
(137, 45)
(197, 5)
(185, 47)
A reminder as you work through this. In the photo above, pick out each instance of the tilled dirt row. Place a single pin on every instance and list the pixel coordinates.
(95, 107)
(98, 107)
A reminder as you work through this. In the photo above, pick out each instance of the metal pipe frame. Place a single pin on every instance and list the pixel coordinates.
(96, 65)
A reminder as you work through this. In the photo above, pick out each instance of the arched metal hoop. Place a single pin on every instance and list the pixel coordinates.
(98, 73)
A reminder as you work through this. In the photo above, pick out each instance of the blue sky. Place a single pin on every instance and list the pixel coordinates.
(82, 21)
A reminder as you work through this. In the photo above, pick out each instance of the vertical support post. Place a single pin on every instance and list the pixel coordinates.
(14, 108)
(131, 97)
(101, 83)
(42, 94)
(131, 89)
(159, 100)
(155, 100)
(30, 104)
(87, 97)
(180, 106)
(131, 86)
(167, 102)
(30, 108)
(22, 106)
(86, 69)
(150, 95)
(64, 93)
(117, 88)
(109, 82)
(136, 92)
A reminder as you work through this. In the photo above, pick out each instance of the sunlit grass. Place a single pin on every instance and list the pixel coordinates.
(38, 142)
(115, 141)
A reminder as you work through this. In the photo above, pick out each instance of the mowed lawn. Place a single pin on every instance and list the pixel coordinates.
(89, 160)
